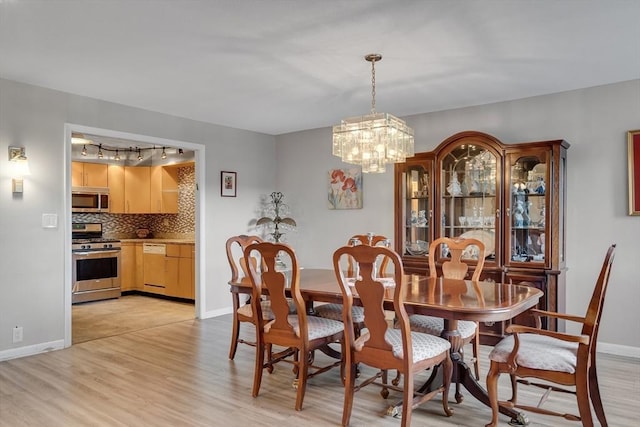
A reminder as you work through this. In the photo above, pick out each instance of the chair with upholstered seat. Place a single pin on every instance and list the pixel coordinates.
(454, 268)
(554, 357)
(241, 313)
(299, 333)
(334, 310)
(380, 345)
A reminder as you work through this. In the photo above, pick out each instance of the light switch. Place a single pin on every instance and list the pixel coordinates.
(49, 220)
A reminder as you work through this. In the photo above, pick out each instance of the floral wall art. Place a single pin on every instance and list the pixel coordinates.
(345, 189)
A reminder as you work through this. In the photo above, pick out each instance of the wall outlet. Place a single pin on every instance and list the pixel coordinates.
(17, 334)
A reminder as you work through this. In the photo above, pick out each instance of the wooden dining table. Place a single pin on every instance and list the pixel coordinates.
(450, 299)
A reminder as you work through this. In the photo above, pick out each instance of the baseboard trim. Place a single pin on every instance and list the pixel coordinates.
(216, 313)
(31, 350)
(619, 350)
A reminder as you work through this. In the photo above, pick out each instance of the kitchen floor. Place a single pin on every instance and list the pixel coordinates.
(107, 318)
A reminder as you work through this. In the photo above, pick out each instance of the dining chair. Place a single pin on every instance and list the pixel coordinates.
(380, 345)
(242, 313)
(300, 334)
(334, 310)
(454, 268)
(554, 357)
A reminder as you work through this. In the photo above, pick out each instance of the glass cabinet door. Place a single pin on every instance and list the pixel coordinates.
(470, 196)
(527, 201)
(417, 209)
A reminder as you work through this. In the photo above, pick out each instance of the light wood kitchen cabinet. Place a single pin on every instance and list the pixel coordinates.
(128, 266)
(509, 196)
(89, 174)
(164, 189)
(137, 185)
(116, 188)
(179, 280)
(132, 267)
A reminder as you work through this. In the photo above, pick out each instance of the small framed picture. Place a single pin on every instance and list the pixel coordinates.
(633, 141)
(228, 183)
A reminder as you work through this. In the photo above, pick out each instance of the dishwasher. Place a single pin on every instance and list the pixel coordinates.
(153, 255)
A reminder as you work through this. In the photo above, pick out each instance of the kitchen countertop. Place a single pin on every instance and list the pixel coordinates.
(160, 240)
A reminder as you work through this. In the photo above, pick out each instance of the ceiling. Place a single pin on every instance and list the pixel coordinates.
(280, 66)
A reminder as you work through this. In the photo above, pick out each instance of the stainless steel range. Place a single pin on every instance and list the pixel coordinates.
(96, 264)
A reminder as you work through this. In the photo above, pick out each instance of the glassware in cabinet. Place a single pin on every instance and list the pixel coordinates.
(528, 178)
(469, 194)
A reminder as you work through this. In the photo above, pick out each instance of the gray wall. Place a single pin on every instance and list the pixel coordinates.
(33, 259)
(594, 121)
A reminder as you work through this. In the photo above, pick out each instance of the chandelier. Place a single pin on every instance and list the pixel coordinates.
(373, 140)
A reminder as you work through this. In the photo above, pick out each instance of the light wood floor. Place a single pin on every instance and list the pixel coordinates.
(179, 375)
(106, 318)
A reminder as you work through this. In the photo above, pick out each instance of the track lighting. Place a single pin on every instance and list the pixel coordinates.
(100, 155)
(84, 150)
(164, 154)
(117, 156)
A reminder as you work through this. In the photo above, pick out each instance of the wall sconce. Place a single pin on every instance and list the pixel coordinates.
(19, 168)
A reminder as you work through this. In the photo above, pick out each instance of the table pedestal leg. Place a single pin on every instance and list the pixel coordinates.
(462, 374)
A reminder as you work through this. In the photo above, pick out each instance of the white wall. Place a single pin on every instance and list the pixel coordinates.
(32, 259)
(594, 121)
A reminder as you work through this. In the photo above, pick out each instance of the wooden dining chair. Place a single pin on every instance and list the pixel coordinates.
(301, 333)
(554, 357)
(334, 310)
(382, 346)
(454, 268)
(241, 313)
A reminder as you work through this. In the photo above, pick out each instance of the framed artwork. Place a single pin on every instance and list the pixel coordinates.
(345, 189)
(228, 184)
(633, 139)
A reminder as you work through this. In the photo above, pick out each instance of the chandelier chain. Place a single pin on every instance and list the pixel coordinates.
(373, 87)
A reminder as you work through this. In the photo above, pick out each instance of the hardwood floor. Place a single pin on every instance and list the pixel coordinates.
(178, 374)
(101, 319)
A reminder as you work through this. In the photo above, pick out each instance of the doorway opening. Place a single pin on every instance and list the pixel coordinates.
(173, 218)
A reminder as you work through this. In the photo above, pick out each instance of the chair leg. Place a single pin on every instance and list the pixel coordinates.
(407, 400)
(594, 392)
(492, 390)
(235, 332)
(303, 372)
(514, 389)
(476, 353)
(349, 385)
(259, 366)
(584, 404)
(447, 372)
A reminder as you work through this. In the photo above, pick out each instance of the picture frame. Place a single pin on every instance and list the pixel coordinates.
(228, 184)
(344, 189)
(633, 141)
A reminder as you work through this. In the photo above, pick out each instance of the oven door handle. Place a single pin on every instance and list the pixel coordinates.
(96, 252)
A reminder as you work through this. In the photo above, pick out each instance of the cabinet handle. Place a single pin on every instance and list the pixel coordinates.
(508, 211)
(430, 213)
(497, 213)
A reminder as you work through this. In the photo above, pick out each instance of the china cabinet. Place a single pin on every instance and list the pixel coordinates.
(509, 196)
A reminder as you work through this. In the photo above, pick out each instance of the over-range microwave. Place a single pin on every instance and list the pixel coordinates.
(89, 199)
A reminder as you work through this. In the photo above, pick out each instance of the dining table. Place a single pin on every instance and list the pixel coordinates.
(449, 299)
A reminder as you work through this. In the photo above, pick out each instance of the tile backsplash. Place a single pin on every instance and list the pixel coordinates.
(180, 225)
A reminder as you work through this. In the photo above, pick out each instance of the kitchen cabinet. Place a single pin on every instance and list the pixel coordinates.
(164, 189)
(115, 175)
(132, 267)
(143, 189)
(179, 279)
(85, 174)
(137, 197)
(509, 196)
